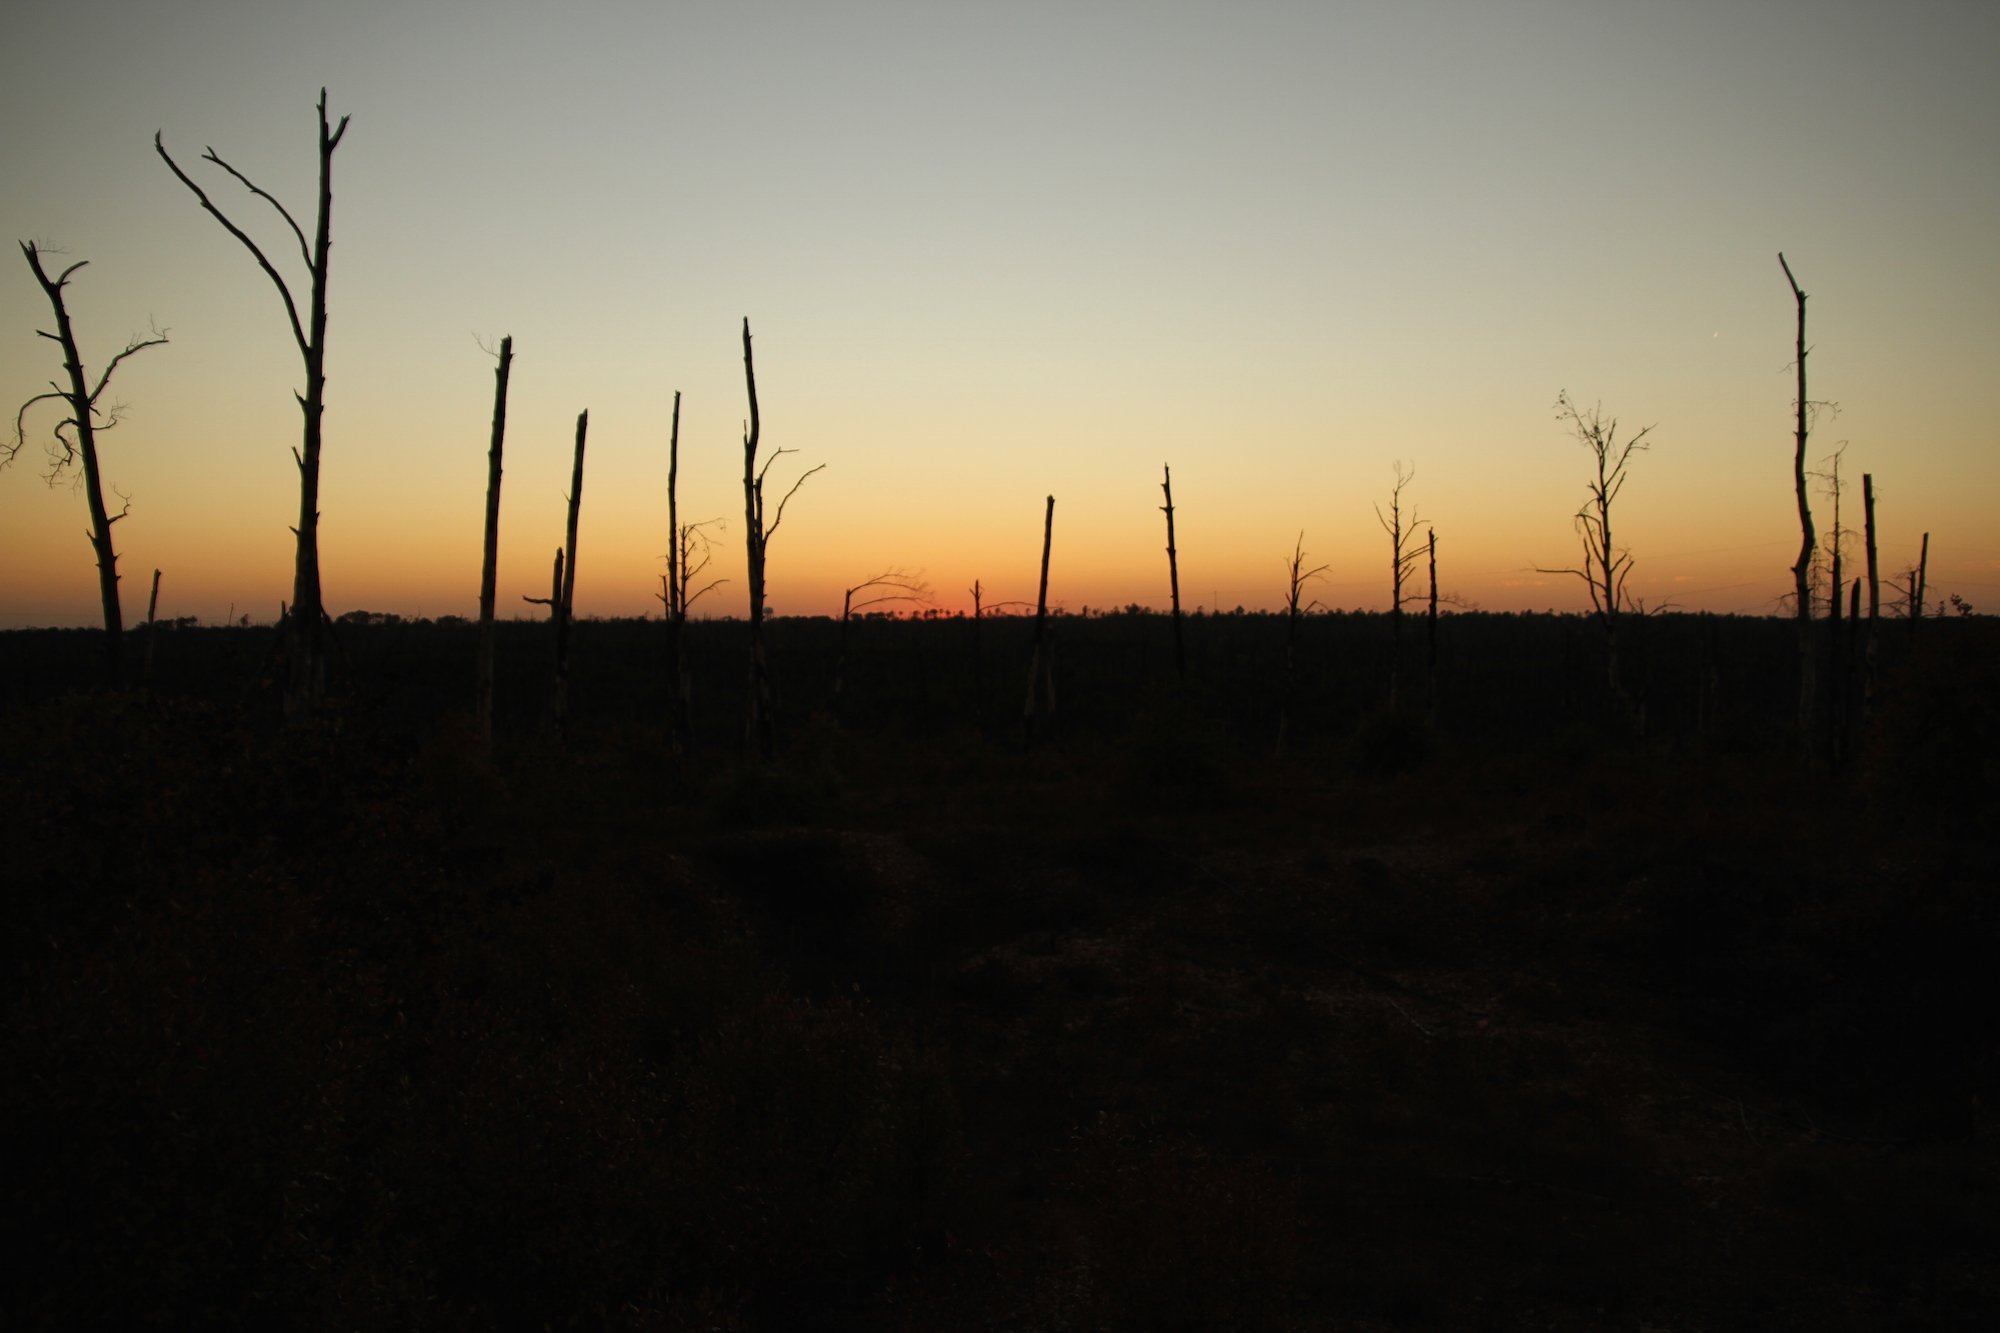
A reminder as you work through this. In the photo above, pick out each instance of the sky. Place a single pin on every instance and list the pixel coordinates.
(995, 252)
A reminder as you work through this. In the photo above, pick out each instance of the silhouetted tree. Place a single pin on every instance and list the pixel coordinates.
(1808, 539)
(1403, 553)
(1297, 578)
(85, 417)
(561, 600)
(1041, 676)
(1874, 594)
(307, 618)
(152, 611)
(489, 565)
(1606, 565)
(688, 556)
(1174, 573)
(760, 699)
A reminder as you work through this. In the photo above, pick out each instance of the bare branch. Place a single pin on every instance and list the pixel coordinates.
(305, 252)
(284, 292)
(779, 517)
(158, 339)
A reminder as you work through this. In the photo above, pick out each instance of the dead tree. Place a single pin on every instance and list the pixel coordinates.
(1606, 565)
(1403, 552)
(1174, 574)
(152, 614)
(1868, 650)
(688, 557)
(1431, 629)
(890, 586)
(307, 620)
(1041, 683)
(760, 699)
(1836, 667)
(561, 600)
(1917, 586)
(1802, 567)
(85, 417)
(1297, 579)
(490, 564)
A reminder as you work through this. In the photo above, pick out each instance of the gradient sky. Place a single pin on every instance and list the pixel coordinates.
(992, 252)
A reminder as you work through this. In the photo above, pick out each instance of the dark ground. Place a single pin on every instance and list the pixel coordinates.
(1511, 1022)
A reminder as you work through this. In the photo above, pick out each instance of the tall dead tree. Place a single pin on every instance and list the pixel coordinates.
(760, 700)
(307, 619)
(80, 400)
(1403, 553)
(1431, 628)
(1836, 666)
(561, 600)
(1297, 579)
(1606, 565)
(1917, 579)
(1174, 574)
(1868, 651)
(1041, 686)
(688, 557)
(1808, 540)
(490, 563)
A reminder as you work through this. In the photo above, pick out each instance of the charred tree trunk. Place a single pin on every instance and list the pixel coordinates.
(567, 592)
(490, 560)
(758, 699)
(81, 401)
(1917, 585)
(1431, 629)
(1037, 660)
(1874, 596)
(676, 598)
(152, 613)
(1174, 575)
(307, 621)
(1802, 568)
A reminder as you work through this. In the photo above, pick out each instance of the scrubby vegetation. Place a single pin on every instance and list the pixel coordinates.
(1485, 1013)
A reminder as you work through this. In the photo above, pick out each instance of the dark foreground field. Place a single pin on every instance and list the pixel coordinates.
(1467, 1018)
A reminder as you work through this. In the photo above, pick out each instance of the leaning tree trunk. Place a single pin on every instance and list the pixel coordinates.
(81, 400)
(489, 566)
(1037, 659)
(152, 612)
(1802, 568)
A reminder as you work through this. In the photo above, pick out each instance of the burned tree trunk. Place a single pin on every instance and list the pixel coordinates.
(568, 591)
(307, 620)
(760, 698)
(152, 613)
(80, 399)
(1868, 651)
(1431, 629)
(1039, 689)
(1802, 567)
(490, 562)
(1174, 575)
(1917, 585)
(676, 596)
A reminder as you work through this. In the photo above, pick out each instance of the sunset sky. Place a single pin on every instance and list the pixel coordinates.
(992, 252)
